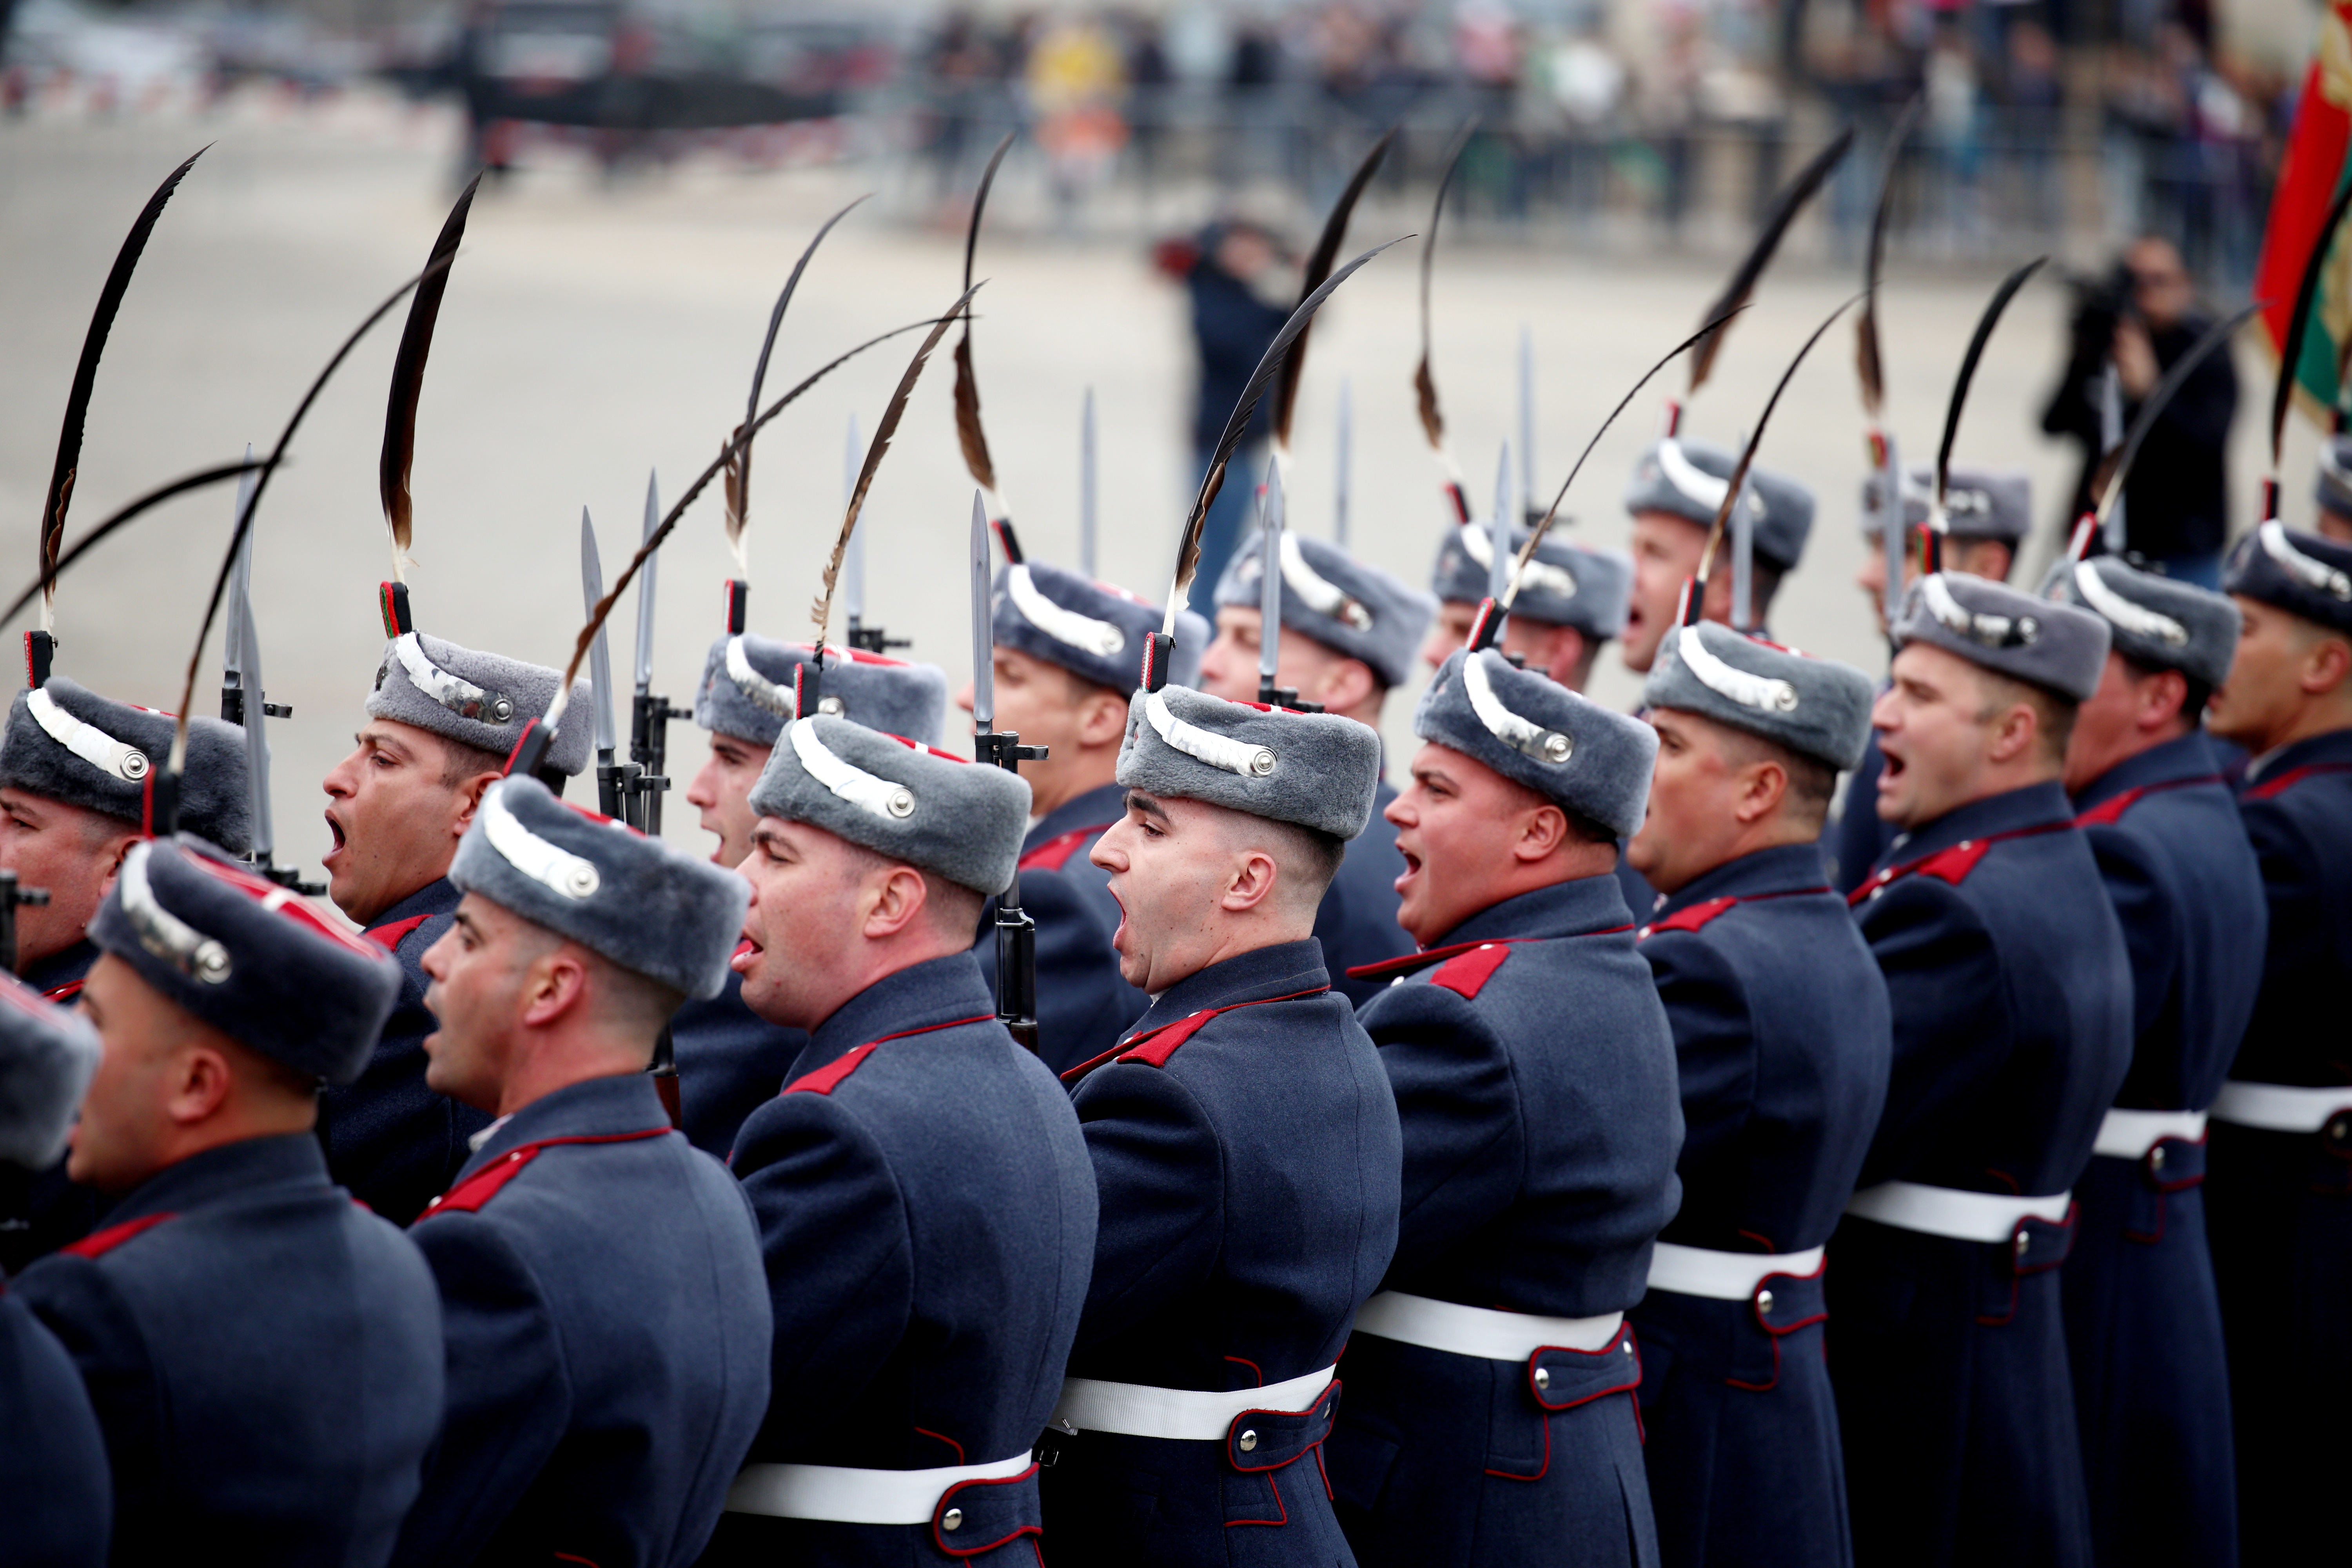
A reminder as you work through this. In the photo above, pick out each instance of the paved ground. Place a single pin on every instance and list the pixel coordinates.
(589, 335)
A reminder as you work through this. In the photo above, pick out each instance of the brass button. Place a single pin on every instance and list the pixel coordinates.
(1543, 1377)
(2023, 1241)
(952, 1520)
(1248, 1441)
(2156, 1158)
(1764, 1301)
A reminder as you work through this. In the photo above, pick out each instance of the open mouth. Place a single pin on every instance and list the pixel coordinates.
(1411, 870)
(335, 830)
(1894, 769)
(747, 952)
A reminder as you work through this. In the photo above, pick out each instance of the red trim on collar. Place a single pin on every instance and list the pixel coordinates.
(1388, 968)
(1154, 1049)
(1698, 915)
(827, 1079)
(1952, 865)
(66, 993)
(2271, 788)
(2109, 812)
(393, 935)
(97, 1244)
(1055, 852)
(1466, 974)
(468, 1195)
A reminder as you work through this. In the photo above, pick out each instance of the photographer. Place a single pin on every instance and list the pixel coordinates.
(2141, 318)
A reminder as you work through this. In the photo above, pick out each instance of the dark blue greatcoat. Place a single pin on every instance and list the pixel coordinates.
(2280, 1203)
(606, 1320)
(2010, 993)
(1535, 1081)
(55, 1501)
(1082, 1006)
(264, 1357)
(2143, 1322)
(731, 1061)
(1245, 1140)
(1781, 1027)
(396, 1144)
(40, 1211)
(1859, 839)
(927, 1216)
(1357, 923)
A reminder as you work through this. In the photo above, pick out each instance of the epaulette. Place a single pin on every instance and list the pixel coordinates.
(1153, 1049)
(1465, 974)
(1695, 918)
(393, 935)
(98, 1243)
(2269, 789)
(469, 1195)
(827, 1079)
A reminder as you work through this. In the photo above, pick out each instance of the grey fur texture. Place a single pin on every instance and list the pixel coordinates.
(1604, 773)
(47, 1054)
(1398, 617)
(1593, 599)
(2201, 640)
(650, 909)
(1979, 503)
(1782, 508)
(2313, 582)
(2055, 647)
(886, 694)
(513, 693)
(1816, 707)
(1119, 667)
(1320, 770)
(215, 792)
(237, 952)
(961, 821)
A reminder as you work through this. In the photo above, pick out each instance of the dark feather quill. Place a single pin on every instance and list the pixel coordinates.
(1188, 546)
(1785, 207)
(1318, 268)
(85, 381)
(1739, 473)
(969, 434)
(1867, 361)
(1425, 384)
(2307, 293)
(1977, 340)
(739, 506)
(884, 429)
(408, 381)
(2153, 405)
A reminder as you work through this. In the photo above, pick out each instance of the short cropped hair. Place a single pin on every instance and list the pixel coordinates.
(460, 762)
(2054, 714)
(1812, 783)
(950, 907)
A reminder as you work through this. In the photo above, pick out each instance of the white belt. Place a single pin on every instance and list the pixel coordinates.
(1480, 1331)
(1951, 1212)
(2279, 1108)
(1188, 1415)
(857, 1497)
(1723, 1276)
(2130, 1134)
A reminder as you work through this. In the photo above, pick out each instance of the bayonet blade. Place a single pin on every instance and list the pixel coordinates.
(232, 633)
(1526, 418)
(256, 740)
(600, 656)
(1498, 530)
(645, 670)
(1893, 531)
(983, 642)
(1269, 579)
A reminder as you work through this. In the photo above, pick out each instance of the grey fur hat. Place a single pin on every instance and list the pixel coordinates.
(2301, 574)
(1329, 595)
(1316, 770)
(1094, 630)
(1816, 707)
(65, 743)
(2333, 490)
(1979, 503)
(1686, 477)
(477, 699)
(47, 1054)
(1566, 584)
(2055, 647)
(636, 901)
(247, 956)
(929, 808)
(1535, 732)
(747, 690)
(2159, 622)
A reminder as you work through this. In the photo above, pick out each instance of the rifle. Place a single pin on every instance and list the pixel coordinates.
(871, 640)
(1017, 933)
(241, 678)
(611, 776)
(649, 714)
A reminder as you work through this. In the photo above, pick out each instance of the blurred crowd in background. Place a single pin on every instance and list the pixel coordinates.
(1617, 124)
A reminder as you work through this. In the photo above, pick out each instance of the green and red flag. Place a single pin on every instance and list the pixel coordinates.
(2310, 177)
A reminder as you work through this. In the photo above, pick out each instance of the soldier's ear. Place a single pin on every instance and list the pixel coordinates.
(1543, 831)
(2326, 665)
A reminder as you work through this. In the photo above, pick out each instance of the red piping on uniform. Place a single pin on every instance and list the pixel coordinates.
(1951, 865)
(2271, 788)
(492, 1178)
(2107, 813)
(943, 1437)
(97, 1244)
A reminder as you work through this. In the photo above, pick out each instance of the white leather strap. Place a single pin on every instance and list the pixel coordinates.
(1186, 1415)
(844, 1495)
(2278, 1107)
(1480, 1332)
(1724, 1276)
(2130, 1134)
(87, 742)
(1954, 1212)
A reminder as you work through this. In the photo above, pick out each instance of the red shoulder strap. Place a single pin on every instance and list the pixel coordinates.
(1154, 1049)
(1466, 974)
(66, 993)
(393, 935)
(97, 1244)
(2107, 813)
(826, 1078)
(1055, 852)
(1695, 918)
(469, 1195)
(2271, 788)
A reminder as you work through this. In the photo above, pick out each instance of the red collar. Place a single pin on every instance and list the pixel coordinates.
(1408, 964)
(1154, 1047)
(1952, 865)
(2268, 788)
(1694, 917)
(468, 1195)
(2108, 812)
